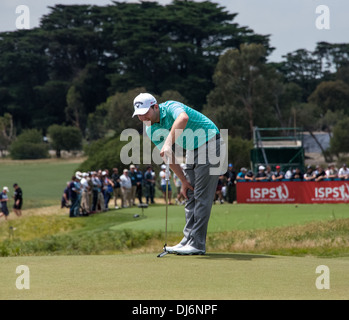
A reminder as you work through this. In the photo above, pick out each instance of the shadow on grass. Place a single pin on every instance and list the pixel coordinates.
(235, 256)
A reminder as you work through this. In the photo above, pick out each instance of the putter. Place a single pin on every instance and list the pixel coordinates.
(167, 178)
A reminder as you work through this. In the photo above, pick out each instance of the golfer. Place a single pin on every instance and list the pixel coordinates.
(173, 122)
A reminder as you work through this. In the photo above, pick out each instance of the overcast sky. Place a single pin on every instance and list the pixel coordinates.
(291, 25)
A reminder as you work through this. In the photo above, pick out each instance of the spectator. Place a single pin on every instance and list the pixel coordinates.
(316, 171)
(126, 188)
(100, 195)
(133, 176)
(4, 199)
(278, 174)
(331, 172)
(321, 174)
(309, 175)
(261, 175)
(65, 197)
(139, 179)
(297, 174)
(288, 174)
(343, 172)
(149, 182)
(85, 188)
(96, 191)
(249, 176)
(162, 175)
(269, 173)
(230, 185)
(117, 191)
(219, 194)
(18, 200)
(107, 188)
(178, 184)
(74, 195)
(90, 192)
(241, 175)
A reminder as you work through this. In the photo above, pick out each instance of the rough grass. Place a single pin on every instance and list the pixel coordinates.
(320, 238)
(49, 231)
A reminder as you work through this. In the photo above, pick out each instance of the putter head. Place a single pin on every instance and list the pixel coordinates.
(163, 253)
(160, 255)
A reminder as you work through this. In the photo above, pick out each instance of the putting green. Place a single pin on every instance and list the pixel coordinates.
(215, 276)
(229, 217)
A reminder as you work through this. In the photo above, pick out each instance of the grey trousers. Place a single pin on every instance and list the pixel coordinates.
(199, 204)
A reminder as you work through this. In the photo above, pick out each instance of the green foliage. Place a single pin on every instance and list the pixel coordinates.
(331, 96)
(103, 154)
(6, 131)
(64, 138)
(340, 139)
(51, 97)
(82, 62)
(100, 50)
(239, 151)
(115, 114)
(243, 90)
(29, 145)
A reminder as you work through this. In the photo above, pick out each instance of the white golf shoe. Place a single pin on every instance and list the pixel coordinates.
(174, 248)
(189, 250)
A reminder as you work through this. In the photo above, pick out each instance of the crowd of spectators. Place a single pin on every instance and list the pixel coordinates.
(317, 173)
(92, 192)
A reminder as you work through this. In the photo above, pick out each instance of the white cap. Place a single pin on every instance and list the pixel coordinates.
(142, 103)
(163, 167)
(261, 168)
(5, 188)
(78, 175)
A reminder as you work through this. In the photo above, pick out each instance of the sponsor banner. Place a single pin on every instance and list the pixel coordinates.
(293, 192)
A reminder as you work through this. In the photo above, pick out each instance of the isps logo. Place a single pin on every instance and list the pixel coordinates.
(341, 192)
(278, 193)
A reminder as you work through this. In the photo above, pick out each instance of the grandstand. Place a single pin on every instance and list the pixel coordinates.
(277, 146)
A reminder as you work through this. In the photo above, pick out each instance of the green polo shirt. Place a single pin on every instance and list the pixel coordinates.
(198, 131)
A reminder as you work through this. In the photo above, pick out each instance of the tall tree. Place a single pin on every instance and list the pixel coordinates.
(340, 140)
(177, 49)
(64, 138)
(243, 83)
(116, 48)
(75, 108)
(302, 68)
(331, 95)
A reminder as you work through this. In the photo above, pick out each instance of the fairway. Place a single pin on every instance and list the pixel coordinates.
(215, 276)
(42, 181)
